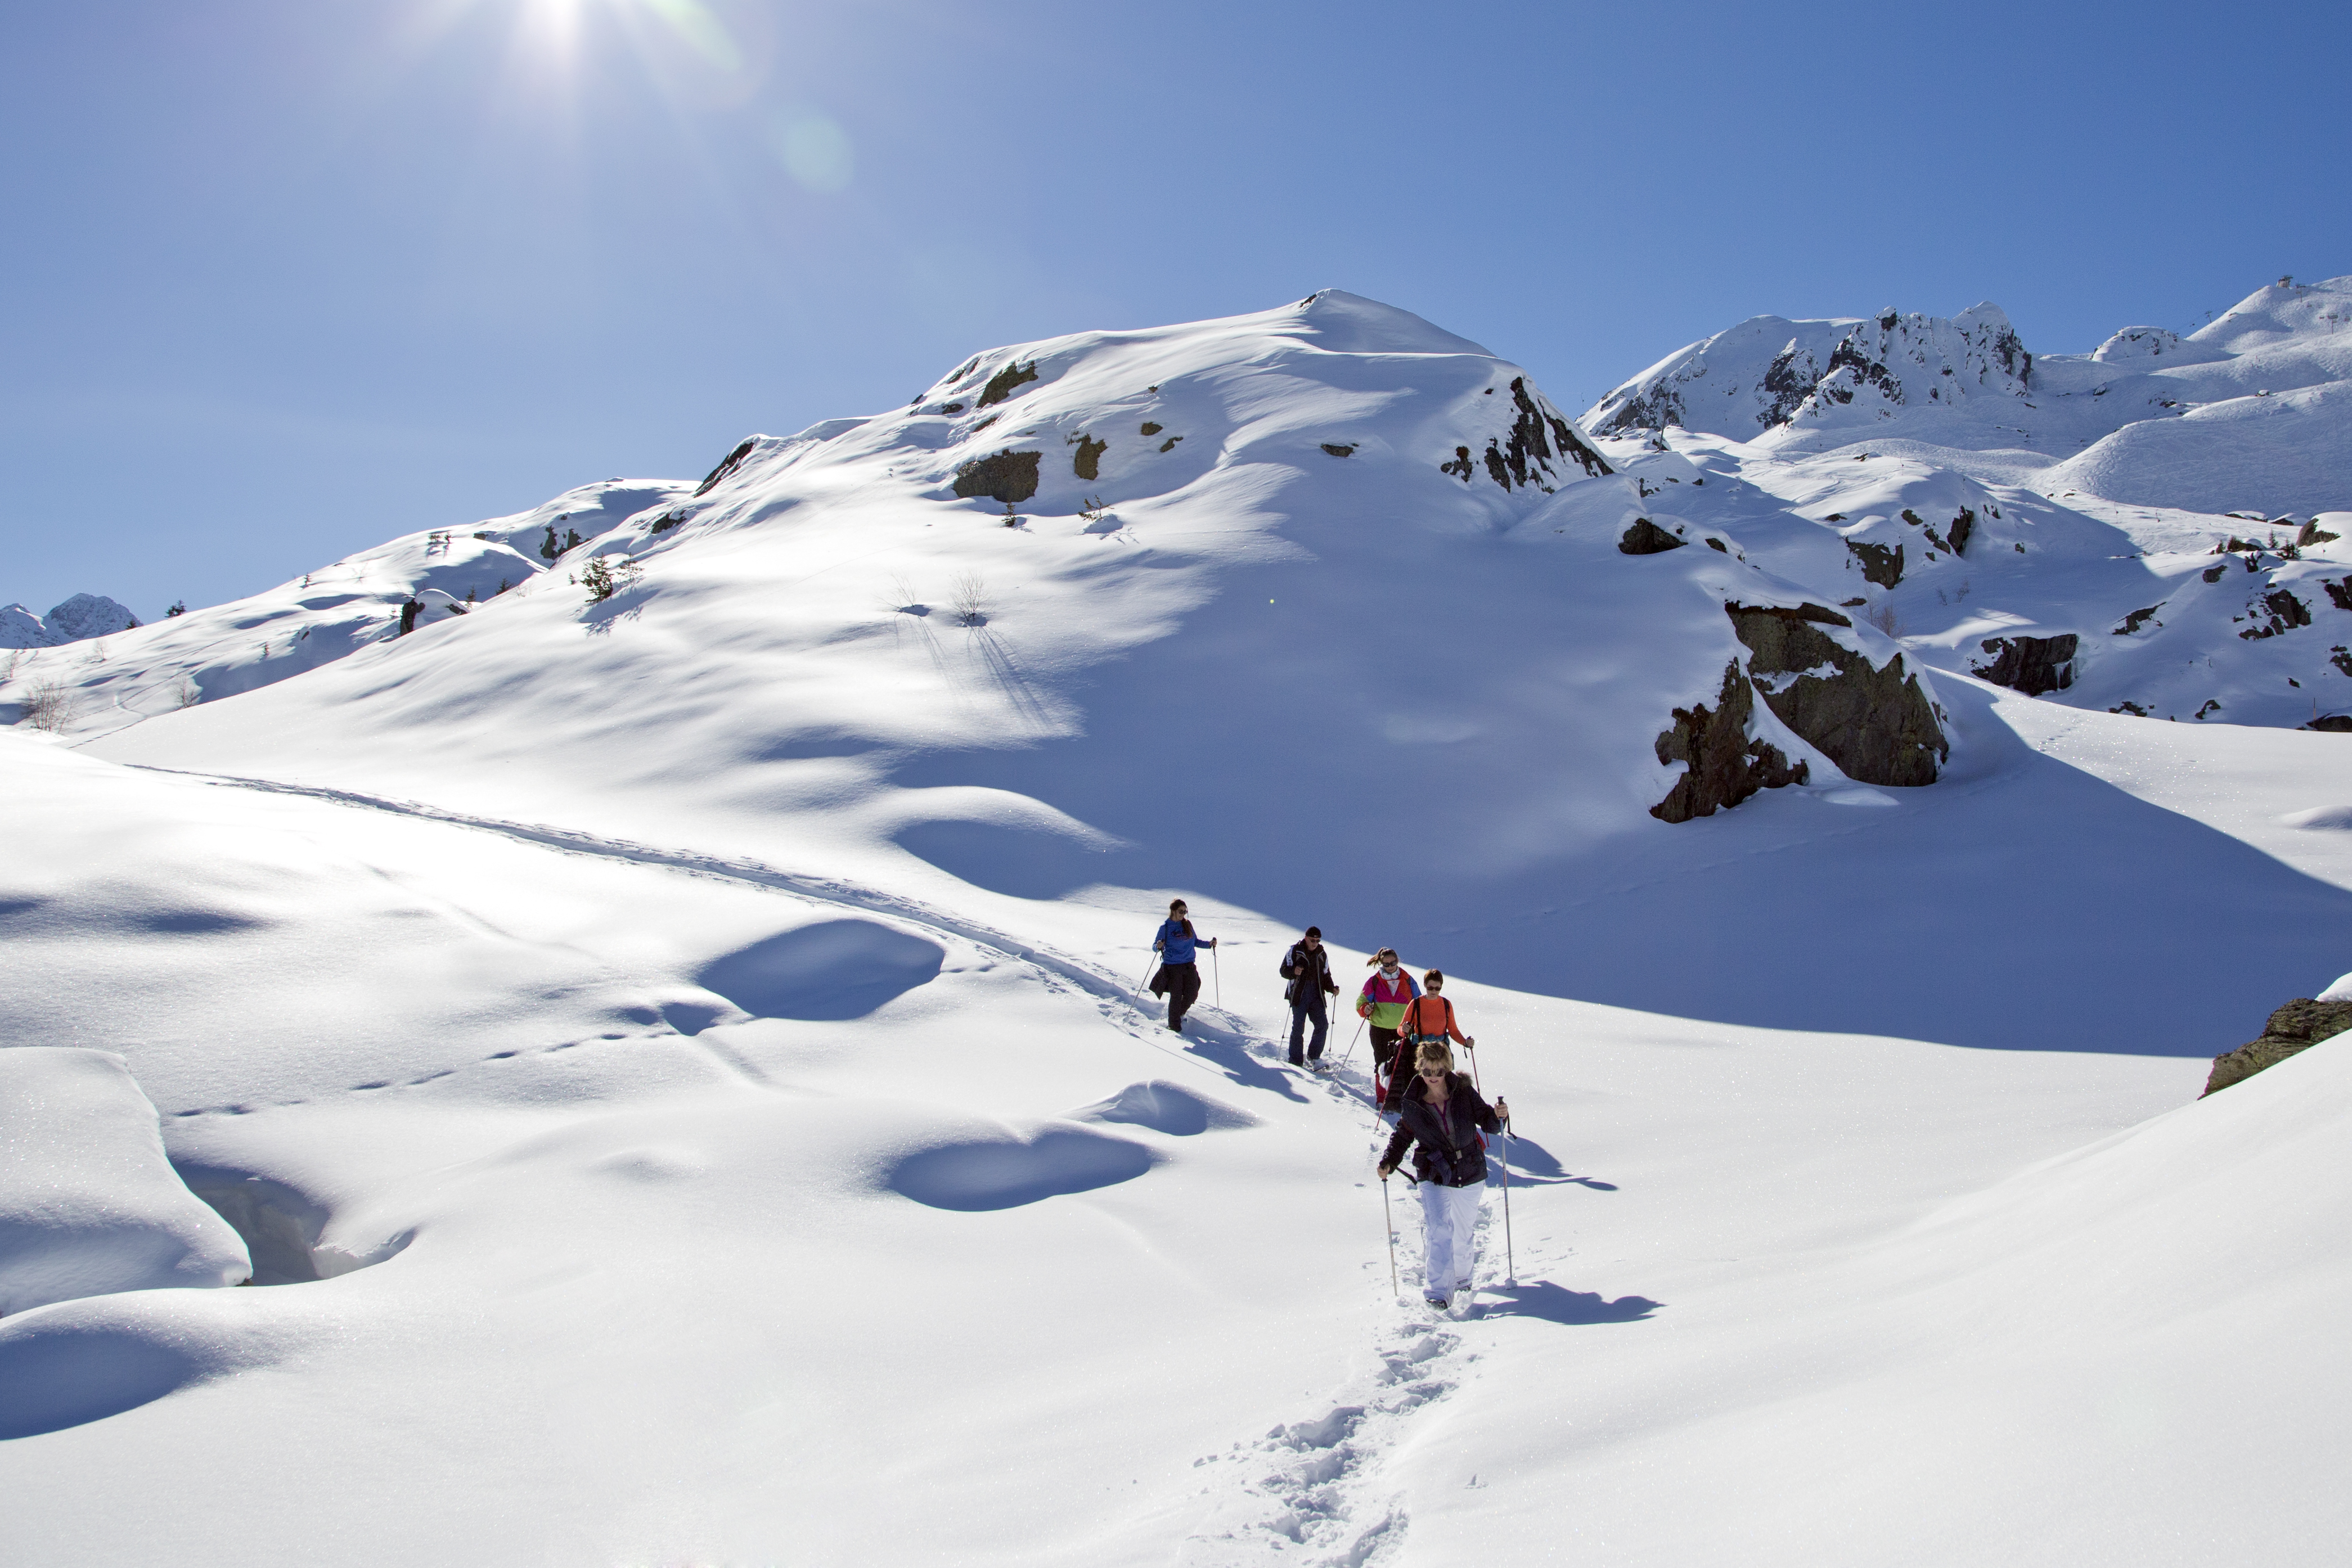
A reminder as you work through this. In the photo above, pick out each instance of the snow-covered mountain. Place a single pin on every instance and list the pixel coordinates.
(2176, 506)
(78, 619)
(654, 978)
(2252, 411)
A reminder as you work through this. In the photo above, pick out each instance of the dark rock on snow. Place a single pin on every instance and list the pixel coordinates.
(2298, 1026)
(2029, 665)
(1006, 476)
(1645, 537)
(727, 465)
(1873, 721)
(1879, 563)
(1726, 764)
(1003, 384)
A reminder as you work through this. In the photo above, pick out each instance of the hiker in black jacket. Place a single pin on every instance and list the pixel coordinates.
(1442, 1115)
(1308, 969)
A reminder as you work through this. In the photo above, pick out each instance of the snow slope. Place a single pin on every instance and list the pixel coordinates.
(627, 1291)
(1372, 691)
(674, 1059)
(89, 1205)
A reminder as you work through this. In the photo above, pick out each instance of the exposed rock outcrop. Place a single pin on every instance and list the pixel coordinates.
(1879, 563)
(2286, 613)
(1873, 721)
(1645, 537)
(1006, 476)
(2029, 665)
(727, 465)
(1003, 384)
(1534, 452)
(1726, 764)
(2298, 1026)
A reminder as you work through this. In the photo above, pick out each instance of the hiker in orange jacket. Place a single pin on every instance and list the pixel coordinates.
(1429, 1017)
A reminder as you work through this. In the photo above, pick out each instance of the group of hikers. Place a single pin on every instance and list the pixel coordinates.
(1438, 1113)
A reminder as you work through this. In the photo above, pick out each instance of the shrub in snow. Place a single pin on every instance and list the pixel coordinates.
(50, 706)
(971, 603)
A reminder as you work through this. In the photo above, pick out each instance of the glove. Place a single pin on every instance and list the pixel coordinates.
(1386, 1170)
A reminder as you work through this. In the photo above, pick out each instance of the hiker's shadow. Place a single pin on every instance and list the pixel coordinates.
(1559, 1304)
(1229, 1053)
(1532, 1165)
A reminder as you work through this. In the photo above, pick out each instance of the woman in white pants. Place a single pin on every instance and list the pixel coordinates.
(1442, 1115)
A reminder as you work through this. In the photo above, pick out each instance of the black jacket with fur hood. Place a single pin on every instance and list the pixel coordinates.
(1436, 1156)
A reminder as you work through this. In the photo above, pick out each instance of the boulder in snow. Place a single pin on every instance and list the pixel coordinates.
(1874, 720)
(2298, 1026)
(1726, 762)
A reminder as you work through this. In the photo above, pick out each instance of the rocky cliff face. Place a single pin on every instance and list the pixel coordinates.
(1727, 764)
(1875, 721)
(1768, 372)
(2298, 1026)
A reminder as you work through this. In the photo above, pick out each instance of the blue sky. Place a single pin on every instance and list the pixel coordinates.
(284, 279)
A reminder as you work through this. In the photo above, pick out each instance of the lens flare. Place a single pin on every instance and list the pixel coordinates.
(814, 150)
(694, 21)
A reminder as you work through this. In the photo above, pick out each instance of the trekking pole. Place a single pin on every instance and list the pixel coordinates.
(1140, 980)
(1218, 970)
(1510, 1264)
(1351, 1044)
(1389, 1225)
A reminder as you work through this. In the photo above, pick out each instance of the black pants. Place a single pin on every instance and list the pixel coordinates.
(1309, 1006)
(1183, 990)
(1384, 1045)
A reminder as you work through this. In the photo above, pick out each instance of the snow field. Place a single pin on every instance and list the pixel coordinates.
(676, 1066)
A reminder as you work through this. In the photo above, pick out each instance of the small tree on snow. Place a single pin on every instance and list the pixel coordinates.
(602, 578)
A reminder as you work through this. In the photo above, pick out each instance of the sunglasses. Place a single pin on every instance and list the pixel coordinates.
(1432, 1073)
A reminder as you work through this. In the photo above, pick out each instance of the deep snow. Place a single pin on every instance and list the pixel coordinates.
(675, 1065)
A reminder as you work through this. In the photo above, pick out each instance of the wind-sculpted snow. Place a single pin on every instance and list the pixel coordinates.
(1165, 1107)
(87, 1204)
(832, 969)
(1007, 1169)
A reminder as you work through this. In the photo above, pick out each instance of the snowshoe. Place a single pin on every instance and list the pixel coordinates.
(1459, 1306)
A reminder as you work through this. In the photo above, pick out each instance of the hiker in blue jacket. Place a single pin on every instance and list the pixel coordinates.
(1179, 979)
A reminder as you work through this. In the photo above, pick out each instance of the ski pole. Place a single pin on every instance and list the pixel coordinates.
(1511, 1263)
(1145, 976)
(1388, 1224)
(1218, 970)
(1351, 1043)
